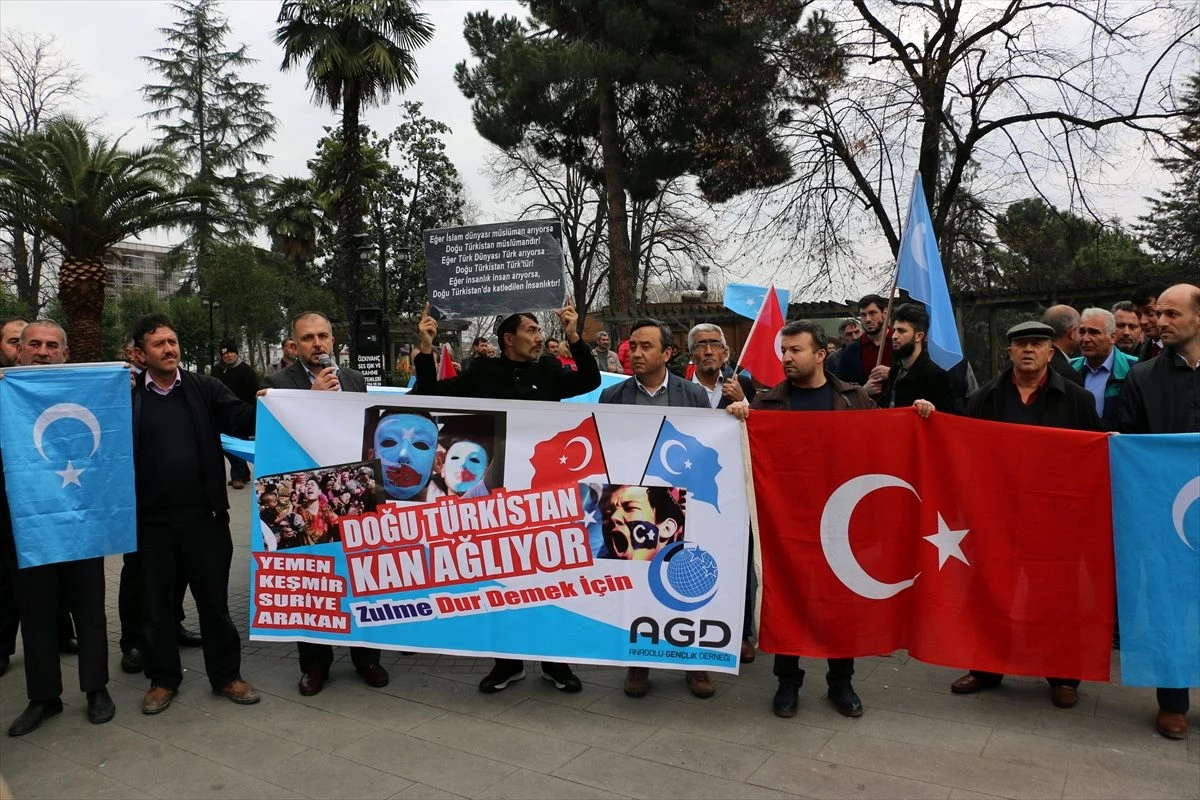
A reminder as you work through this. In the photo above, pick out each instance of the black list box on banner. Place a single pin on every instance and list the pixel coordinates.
(501, 268)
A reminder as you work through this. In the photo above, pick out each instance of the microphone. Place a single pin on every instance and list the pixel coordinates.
(325, 361)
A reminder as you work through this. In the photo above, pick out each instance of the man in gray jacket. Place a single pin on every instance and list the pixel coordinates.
(652, 384)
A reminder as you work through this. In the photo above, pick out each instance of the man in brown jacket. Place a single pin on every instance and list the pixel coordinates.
(808, 387)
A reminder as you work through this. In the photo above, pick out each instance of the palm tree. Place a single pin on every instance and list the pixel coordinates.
(86, 194)
(356, 53)
(293, 218)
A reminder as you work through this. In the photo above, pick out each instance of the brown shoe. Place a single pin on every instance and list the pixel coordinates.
(157, 700)
(637, 681)
(239, 691)
(969, 684)
(374, 675)
(747, 652)
(1171, 725)
(237, 484)
(1064, 696)
(700, 685)
(312, 682)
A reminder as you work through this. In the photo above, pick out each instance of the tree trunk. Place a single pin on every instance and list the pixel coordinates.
(81, 292)
(620, 277)
(20, 255)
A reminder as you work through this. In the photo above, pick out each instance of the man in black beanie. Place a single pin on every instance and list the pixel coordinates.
(240, 379)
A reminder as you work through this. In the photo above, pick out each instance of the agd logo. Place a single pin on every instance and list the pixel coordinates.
(683, 576)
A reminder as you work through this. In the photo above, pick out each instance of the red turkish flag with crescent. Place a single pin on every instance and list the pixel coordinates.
(971, 544)
(568, 456)
(761, 354)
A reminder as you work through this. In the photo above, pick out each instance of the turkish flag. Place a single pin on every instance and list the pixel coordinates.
(568, 456)
(446, 364)
(761, 353)
(971, 544)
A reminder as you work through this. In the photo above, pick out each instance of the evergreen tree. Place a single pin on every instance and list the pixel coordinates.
(1172, 228)
(664, 89)
(216, 122)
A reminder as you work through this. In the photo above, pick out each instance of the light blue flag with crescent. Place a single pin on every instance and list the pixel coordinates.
(67, 443)
(747, 298)
(242, 448)
(919, 272)
(1156, 536)
(685, 462)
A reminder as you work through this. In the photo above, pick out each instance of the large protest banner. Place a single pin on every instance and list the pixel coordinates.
(537, 530)
(964, 544)
(502, 268)
(66, 434)
(1156, 534)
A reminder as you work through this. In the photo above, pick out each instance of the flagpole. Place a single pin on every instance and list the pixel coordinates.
(887, 314)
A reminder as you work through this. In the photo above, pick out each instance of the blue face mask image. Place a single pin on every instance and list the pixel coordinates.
(466, 463)
(405, 445)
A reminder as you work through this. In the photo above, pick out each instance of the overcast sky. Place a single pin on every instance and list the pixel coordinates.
(106, 38)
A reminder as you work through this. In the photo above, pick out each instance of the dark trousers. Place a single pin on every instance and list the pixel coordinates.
(44, 594)
(751, 586)
(320, 656)
(10, 619)
(129, 602)
(516, 663)
(238, 469)
(198, 550)
(787, 668)
(1173, 700)
(996, 677)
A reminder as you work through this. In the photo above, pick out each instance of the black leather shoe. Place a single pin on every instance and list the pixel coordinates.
(131, 661)
(374, 675)
(845, 700)
(37, 712)
(313, 681)
(100, 707)
(68, 645)
(787, 699)
(189, 638)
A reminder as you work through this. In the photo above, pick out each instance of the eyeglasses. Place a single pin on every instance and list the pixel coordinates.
(708, 346)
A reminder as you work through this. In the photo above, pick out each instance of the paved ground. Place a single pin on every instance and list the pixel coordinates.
(431, 734)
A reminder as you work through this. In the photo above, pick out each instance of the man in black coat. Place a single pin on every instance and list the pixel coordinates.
(313, 336)
(241, 380)
(1064, 321)
(518, 374)
(1030, 393)
(183, 513)
(914, 375)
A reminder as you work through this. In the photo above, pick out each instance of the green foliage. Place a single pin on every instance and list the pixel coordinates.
(1172, 228)
(216, 121)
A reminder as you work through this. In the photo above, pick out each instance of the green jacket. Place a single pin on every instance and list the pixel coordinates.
(1112, 389)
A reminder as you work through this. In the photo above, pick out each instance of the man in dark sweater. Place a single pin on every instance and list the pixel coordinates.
(1030, 392)
(239, 377)
(518, 374)
(183, 512)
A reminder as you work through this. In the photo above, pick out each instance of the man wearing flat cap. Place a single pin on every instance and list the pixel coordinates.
(1030, 393)
(239, 377)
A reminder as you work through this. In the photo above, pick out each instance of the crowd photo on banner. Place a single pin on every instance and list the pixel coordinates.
(638, 497)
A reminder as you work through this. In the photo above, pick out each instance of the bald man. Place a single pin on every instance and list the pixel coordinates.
(1065, 322)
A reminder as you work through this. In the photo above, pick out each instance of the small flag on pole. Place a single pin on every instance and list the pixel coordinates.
(760, 356)
(446, 364)
(919, 272)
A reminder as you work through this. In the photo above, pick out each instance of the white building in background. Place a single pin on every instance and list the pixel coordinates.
(134, 265)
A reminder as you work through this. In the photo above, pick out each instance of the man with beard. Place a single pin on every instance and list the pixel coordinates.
(518, 374)
(1163, 396)
(606, 358)
(914, 375)
(313, 336)
(859, 360)
(808, 387)
(1144, 299)
(1129, 330)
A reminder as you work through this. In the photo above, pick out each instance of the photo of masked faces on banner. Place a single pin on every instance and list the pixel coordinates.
(483, 527)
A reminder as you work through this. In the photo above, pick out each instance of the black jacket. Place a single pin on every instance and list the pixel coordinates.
(1161, 395)
(240, 379)
(1060, 404)
(925, 380)
(295, 377)
(214, 411)
(503, 379)
(1062, 365)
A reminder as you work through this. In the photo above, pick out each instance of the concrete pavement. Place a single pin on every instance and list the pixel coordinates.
(431, 734)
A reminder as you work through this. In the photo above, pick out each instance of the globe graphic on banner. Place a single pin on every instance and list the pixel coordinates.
(692, 572)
